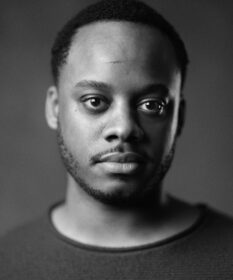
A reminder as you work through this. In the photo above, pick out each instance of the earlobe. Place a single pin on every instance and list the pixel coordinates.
(52, 107)
(181, 116)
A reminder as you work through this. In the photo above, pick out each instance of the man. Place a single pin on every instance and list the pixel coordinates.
(117, 107)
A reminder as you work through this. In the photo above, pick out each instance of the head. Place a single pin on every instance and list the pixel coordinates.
(117, 107)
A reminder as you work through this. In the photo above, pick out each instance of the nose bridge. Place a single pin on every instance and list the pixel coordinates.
(122, 124)
(123, 117)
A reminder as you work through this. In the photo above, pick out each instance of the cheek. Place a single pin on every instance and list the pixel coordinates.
(161, 143)
(161, 134)
(80, 132)
(73, 129)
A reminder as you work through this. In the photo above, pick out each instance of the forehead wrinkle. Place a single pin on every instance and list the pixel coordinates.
(116, 61)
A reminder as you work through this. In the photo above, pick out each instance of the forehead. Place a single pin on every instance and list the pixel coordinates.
(120, 39)
(134, 46)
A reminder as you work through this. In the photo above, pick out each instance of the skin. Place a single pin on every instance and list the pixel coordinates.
(118, 92)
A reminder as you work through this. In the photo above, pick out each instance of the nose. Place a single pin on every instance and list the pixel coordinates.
(122, 126)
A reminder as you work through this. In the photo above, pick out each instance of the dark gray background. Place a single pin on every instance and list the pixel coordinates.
(31, 175)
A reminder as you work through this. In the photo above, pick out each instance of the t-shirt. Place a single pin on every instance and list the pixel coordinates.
(38, 251)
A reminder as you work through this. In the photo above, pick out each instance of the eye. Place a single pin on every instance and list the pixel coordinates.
(95, 103)
(153, 107)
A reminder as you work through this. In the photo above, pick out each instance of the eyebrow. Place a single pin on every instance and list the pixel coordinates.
(101, 86)
(156, 88)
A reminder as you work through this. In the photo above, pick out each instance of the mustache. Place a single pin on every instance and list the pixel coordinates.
(118, 149)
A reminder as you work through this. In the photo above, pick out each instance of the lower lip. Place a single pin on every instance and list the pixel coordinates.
(120, 168)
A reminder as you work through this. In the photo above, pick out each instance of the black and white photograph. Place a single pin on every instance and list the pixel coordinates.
(116, 147)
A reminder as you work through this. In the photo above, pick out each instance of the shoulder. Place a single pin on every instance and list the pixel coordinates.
(23, 245)
(217, 222)
(213, 236)
(30, 235)
(29, 232)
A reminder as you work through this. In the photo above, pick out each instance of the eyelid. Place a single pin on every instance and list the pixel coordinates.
(94, 95)
(158, 99)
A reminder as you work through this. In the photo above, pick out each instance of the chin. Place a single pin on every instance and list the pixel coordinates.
(123, 194)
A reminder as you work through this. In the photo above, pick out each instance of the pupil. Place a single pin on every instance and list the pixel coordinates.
(152, 106)
(95, 102)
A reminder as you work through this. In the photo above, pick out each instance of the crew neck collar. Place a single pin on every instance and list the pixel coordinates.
(198, 222)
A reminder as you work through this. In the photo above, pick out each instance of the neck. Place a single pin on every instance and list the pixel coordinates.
(89, 221)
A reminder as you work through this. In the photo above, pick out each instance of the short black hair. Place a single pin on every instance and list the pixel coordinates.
(116, 10)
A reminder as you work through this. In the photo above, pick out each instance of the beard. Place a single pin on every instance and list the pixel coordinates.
(141, 196)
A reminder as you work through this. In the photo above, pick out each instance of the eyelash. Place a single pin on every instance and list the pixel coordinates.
(160, 105)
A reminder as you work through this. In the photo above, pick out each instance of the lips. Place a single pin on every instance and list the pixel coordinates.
(121, 163)
(122, 158)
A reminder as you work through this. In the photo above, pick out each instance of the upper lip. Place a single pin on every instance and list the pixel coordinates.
(122, 157)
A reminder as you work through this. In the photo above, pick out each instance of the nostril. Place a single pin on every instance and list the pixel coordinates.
(111, 138)
(133, 137)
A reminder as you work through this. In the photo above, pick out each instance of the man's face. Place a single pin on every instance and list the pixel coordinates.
(118, 104)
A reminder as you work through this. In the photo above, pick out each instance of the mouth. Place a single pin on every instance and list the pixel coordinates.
(121, 163)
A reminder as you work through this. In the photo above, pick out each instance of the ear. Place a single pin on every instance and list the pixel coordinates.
(181, 116)
(52, 107)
